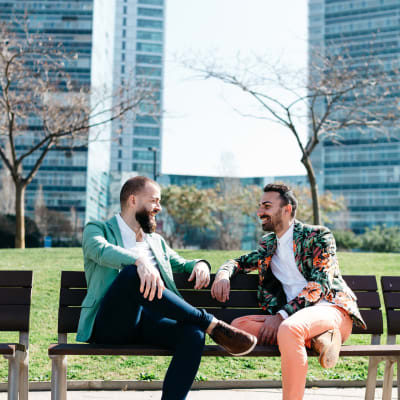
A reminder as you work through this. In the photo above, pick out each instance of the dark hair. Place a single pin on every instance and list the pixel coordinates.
(285, 193)
(134, 186)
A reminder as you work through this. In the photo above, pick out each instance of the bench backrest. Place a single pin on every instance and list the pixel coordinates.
(391, 296)
(242, 299)
(15, 302)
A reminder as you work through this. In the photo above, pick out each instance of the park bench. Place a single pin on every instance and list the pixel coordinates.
(242, 301)
(391, 296)
(15, 302)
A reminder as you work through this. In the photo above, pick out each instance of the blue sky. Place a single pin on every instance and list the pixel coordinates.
(202, 133)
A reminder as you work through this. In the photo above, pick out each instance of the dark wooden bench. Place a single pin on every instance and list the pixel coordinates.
(242, 301)
(15, 301)
(391, 295)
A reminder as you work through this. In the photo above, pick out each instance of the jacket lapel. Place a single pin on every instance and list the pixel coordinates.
(112, 224)
(298, 244)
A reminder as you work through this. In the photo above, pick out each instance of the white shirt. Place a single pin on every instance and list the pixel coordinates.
(138, 249)
(284, 267)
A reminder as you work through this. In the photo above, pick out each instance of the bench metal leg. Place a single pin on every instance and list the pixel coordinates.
(388, 380)
(371, 379)
(24, 377)
(58, 377)
(13, 377)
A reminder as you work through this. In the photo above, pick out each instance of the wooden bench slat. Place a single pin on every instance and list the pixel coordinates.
(71, 297)
(393, 322)
(14, 295)
(361, 282)
(16, 279)
(392, 300)
(75, 279)
(11, 348)
(68, 319)
(368, 300)
(209, 350)
(14, 318)
(390, 283)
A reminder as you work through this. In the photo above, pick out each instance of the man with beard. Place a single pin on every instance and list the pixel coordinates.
(304, 300)
(132, 297)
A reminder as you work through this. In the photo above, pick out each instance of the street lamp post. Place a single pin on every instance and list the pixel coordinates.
(154, 150)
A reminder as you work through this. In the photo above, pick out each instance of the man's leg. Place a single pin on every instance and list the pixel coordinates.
(121, 309)
(295, 333)
(187, 343)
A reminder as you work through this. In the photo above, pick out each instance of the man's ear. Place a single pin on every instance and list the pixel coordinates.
(289, 209)
(132, 199)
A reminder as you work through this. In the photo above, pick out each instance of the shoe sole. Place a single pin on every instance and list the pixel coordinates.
(249, 350)
(330, 357)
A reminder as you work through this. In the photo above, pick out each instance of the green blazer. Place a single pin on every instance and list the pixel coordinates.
(104, 256)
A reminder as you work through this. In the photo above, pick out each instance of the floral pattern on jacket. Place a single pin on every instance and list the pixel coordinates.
(315, 255)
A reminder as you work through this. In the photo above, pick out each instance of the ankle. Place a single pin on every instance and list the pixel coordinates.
(212, 325)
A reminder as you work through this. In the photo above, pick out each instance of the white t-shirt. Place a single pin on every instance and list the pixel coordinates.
(138, 249)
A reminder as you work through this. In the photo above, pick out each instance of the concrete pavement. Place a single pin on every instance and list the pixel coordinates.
(231, 394)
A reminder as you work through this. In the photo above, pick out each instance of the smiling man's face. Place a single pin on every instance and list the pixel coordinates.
(272, 212)
(148, 207)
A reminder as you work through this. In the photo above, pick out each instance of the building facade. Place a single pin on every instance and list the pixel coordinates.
(62, 176)
(128, 46)
(364, 167)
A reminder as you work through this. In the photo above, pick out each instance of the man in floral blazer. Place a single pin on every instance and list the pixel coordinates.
(305, 299)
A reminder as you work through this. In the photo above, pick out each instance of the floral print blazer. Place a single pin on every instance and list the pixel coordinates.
(315, 255)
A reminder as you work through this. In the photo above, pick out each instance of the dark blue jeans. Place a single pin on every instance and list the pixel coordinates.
(126, 317)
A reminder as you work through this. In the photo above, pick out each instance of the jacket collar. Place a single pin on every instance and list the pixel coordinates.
(112, 223)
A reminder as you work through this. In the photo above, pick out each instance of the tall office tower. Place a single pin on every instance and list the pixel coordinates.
(128, 41)
(62, 176)
(365, 167)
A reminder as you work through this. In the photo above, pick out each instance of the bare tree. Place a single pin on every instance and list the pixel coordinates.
(337, 92)
(36, 91)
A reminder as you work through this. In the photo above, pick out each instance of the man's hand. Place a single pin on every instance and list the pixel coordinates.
(202, 274)
(150, 279)
(221, 287)
(269, 330)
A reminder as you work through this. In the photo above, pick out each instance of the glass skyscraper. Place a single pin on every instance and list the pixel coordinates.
(62, 175)
(128, 45)
(364, 167)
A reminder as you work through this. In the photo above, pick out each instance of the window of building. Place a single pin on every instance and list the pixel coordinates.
(148, 23)
(147, 59)
(155, 36)
(150, 12)
(138, 142)
(146, 131)
(152, 2)
(149, 47)
(148, 71)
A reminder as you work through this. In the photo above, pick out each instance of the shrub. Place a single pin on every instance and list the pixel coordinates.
(347, 240)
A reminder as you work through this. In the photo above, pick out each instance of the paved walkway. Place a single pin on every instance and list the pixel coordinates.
(232, 394)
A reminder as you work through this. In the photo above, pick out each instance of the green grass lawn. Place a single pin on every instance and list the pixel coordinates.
(47, 264)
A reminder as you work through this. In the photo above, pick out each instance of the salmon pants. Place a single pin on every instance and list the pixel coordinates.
(294, 334)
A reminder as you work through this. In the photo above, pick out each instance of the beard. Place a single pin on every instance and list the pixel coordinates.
(272, 222)
(146, 221)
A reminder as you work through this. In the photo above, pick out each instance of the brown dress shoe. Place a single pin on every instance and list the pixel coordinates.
(233, 340)
(327, 345)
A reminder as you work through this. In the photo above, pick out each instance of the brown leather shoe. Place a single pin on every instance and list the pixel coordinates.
(233, 340)
(327, 345)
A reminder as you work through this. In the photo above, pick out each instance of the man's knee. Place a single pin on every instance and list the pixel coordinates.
(287, 332)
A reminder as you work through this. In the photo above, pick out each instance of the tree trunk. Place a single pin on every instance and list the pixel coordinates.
(313, 188)
(20, 216)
